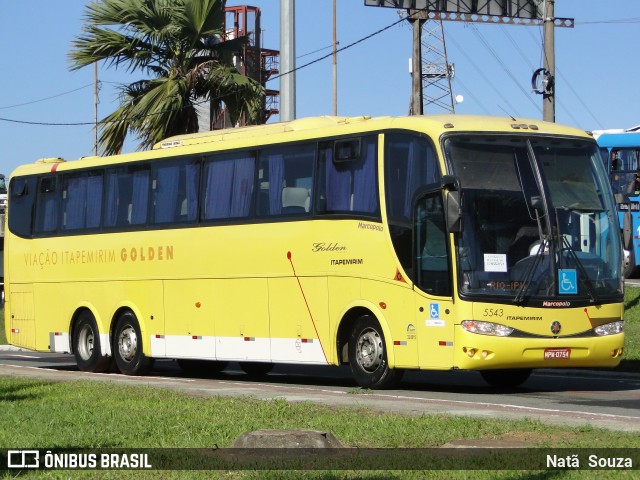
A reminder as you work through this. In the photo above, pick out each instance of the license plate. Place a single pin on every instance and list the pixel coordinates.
(554, 353)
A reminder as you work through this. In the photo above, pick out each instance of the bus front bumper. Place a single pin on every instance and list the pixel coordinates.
(483, 352)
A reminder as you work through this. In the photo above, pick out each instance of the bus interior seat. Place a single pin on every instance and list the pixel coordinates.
(295, 200)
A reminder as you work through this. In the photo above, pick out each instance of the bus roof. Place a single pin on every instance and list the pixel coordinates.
(619, 139)
(434, 123)
(308, 128)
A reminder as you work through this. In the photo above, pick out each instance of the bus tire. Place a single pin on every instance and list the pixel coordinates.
(127, 346)
(256, 369)
(508, 378)
(630, 269)
(86, 345)
(201, 367)
(368, 355)
(627, 231)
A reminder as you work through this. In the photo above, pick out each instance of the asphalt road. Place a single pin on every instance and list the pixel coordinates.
(557, 397)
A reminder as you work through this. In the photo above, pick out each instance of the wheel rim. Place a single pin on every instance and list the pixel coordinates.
(128, 343)
(369, 350)
(85, 342)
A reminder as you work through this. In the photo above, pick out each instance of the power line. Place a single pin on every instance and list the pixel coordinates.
(620, 20)
(532, 67)
(76, 124)
(103, 122)
(353, 44)
(569, 85)
(316, 51)
(502, 64)
(482, 74)
(47, 98)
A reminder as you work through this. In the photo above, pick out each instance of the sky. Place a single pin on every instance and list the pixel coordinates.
(597, 64)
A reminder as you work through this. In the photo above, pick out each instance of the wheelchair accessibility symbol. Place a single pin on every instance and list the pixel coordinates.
(568, 282)
(434, 310)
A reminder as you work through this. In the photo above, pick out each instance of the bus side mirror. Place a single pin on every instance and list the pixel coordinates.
(452, 199)
(453, 211)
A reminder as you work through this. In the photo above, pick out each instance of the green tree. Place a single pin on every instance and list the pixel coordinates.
(178, 45)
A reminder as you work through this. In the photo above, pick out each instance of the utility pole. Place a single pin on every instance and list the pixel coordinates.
(417, 20)
(288, 60)
(95, 107)
(335, 61)
(549, 96)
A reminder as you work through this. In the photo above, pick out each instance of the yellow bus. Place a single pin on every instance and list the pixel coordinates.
(424, 242)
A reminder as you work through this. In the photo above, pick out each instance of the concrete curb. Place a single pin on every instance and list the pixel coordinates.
(11, 348)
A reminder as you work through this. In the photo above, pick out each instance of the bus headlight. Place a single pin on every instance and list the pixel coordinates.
(610, 328)
(486, 328)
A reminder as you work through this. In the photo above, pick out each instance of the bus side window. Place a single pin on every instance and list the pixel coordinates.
(175, 192)
(22, 196)
(410, 163)
(127, 196)
(348, 184)
(285, 179)
(47, 205)
(228, 186)
(432, 259)
(82, 201)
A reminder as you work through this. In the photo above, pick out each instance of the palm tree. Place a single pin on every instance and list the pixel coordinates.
(178, 44)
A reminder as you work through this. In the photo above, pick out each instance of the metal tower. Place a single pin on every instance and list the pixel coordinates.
(431, 91)
(252, 61)
(437, 72)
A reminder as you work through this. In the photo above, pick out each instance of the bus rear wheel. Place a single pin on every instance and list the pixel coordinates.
(86, 345)
(368, 356)
(508, 378)
(128, 346)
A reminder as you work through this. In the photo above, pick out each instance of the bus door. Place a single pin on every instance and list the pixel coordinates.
(433, 283)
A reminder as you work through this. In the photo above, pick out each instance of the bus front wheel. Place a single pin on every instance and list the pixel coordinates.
(128, 346)
(86, 345)
(368, 355)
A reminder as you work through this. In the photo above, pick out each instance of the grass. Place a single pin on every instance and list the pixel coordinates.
(3, 336)
(631, 359)
(102, 415)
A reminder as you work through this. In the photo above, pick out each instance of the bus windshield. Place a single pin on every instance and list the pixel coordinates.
(537, 219)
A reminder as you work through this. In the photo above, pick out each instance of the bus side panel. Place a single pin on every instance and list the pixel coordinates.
(397, 303)
(241, 319)
(299, 320)
(56, 303)
(144, 298)
(343, 292)
(435, 324)
(22, 324)
(190, 331)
